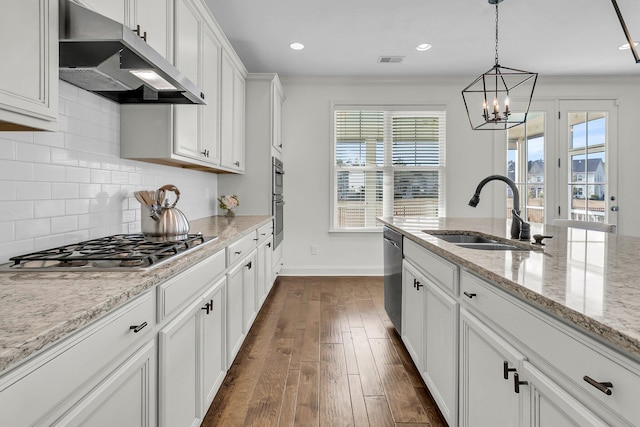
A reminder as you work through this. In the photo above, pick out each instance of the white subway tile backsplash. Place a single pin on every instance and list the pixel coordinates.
(49, 208)
(51, 173)
(64, 157)
(7, 231)
(19, 171)
(29, 190)
(77, 206)
(100, 176)
(65, 190)
(64, 224)
(68, 186)
(31, 228)
(74, 174)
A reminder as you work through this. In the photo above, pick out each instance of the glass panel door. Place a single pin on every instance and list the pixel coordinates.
(589, 165)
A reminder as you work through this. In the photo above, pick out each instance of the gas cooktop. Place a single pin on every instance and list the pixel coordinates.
(120, 252)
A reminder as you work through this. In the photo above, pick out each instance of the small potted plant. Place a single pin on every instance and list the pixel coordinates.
(229, 202)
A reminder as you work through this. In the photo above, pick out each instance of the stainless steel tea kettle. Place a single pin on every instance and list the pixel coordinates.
(163, 220)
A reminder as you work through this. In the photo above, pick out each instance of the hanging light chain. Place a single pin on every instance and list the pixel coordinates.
(496, 33)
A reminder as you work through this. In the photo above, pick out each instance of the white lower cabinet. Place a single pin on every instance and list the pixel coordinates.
(125, 398)
(186, 344)
(487, 398)
(265, 271)
(549, 405)
(413, 313)
(212, 339)
(235, 332)
(441, 349)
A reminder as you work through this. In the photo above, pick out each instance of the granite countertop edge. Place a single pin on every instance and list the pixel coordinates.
(606, 334)
(134, 284)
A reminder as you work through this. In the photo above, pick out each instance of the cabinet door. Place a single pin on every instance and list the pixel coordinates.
(548, 405)
(265, 276)
(235, 334)
(178, 374)
(413, 313)
(126, 398)
(155, 17)
(112, 9)
(441, 350)
(187, 60)
(277, 98)
(212, 324)
(486, 397)
(231, 115)
(211, 54)
(29, 75)
(249, 281)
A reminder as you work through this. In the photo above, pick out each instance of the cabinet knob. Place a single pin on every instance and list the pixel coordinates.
(469, 294)
(249, 265)
(138, 328)
(517, 383)
(604, 387)
(237, 163)
(269, 244)
(506, 369)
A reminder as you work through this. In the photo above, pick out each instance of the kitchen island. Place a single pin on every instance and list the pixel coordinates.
(562, 320)
(40, 308)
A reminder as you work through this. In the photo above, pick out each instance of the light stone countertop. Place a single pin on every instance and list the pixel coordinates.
(39, 308)
(588, 279)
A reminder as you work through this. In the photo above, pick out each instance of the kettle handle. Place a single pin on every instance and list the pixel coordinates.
(169, 187)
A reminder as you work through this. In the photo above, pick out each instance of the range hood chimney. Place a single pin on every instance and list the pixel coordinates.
(105, 57)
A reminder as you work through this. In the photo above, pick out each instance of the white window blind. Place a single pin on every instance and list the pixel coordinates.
(387, 162)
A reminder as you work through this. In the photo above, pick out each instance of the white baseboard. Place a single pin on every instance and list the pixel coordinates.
(331, 270)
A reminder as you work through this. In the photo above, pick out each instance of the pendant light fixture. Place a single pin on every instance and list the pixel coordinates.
(500, 98)
(630, 41)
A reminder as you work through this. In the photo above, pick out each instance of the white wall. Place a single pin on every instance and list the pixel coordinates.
(67, 186)
(471, 155)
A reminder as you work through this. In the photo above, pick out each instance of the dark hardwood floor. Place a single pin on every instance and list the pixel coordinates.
(323, 352)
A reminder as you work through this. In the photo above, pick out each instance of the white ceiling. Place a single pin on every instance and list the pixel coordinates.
(346, 37)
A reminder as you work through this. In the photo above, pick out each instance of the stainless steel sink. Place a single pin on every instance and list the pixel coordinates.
(492, 246)
(464, 238)
(475, 240)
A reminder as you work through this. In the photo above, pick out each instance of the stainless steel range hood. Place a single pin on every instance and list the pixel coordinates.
(105, 57)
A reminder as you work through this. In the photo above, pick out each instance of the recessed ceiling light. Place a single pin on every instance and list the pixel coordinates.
(626, 46)
(296, 46)
(423, 46)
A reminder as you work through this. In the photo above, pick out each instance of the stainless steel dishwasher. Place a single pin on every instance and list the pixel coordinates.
(392, 249)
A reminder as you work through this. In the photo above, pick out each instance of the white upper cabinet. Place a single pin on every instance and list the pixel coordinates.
(192, 136)
(153, 17)
(29, 75)
(277, 99)
(232, 115)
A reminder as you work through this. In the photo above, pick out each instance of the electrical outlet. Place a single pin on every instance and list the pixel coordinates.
(314, 249)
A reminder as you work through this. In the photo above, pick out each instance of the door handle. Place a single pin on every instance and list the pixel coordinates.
(604, 387)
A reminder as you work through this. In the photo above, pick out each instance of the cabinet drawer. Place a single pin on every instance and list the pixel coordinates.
(240, 249)
(571, 353)
(441, 271)
(183, 288)
(59, 377)
(264, 232)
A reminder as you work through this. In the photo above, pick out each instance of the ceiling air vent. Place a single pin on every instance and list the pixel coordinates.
(391, 59)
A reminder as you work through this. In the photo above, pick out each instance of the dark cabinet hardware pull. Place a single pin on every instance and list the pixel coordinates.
(248, 265)
(238, 252)
(506, 369)
(207, 307)
(604, 387)
(255, 240)
(468, 294)
(237, 163)
(517, 383)
(144, 37)
(414, 283)
(205, 153)
(269, 244)
(418, 285)
(138, 328)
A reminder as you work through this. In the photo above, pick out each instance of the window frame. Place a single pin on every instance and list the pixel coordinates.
(387, 168)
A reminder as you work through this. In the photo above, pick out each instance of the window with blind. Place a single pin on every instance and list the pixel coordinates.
(387, 162)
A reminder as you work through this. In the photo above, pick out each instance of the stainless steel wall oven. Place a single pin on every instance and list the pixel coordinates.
(278, 201)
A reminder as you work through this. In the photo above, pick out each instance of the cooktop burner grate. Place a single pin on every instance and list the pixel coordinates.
(117, 251)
